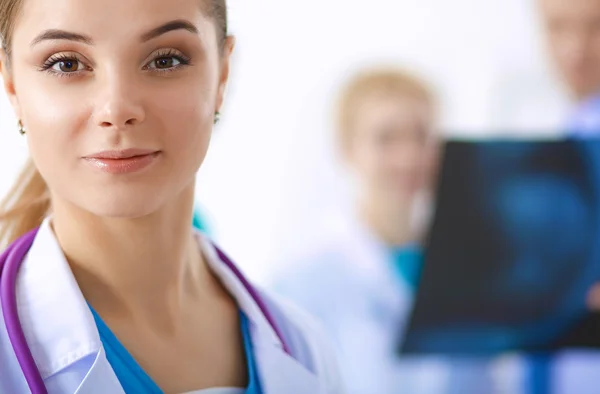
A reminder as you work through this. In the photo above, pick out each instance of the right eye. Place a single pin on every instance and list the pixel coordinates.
(63, 65)
(67, 66)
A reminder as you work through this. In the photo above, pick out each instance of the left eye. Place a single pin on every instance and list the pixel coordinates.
(67, 66)
(164, 62)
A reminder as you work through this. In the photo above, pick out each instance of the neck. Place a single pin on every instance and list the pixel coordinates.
(150, 263)
(389, 220)
(580, 97)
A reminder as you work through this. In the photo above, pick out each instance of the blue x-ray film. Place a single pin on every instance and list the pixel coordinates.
(512, 252)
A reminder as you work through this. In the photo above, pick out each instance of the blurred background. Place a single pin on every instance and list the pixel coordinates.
(270, 172)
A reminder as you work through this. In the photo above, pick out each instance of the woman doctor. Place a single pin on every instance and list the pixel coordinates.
(361, 276)
(117, 294)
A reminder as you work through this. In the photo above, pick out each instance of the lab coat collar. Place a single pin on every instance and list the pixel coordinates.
(238, 291)
(61, 330)
(364, 249)
(369, 260)
(100, 378)
(279, 372)
(55, 317)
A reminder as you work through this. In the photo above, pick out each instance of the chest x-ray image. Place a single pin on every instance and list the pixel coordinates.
(513, 250)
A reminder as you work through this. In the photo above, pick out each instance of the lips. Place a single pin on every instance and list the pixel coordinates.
(122, 161)
(121, 154)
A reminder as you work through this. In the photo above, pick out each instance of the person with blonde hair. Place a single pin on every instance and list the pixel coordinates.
(105, 287)
(361, 276)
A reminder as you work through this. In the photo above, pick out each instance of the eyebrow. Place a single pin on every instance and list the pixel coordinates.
(56, 34)
(178, 24)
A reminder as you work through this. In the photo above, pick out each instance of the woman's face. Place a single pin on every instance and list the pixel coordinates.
(392, 148)
(133, 77)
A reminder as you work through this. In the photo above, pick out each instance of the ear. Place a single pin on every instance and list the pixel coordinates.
(224, 72)
(8, 83)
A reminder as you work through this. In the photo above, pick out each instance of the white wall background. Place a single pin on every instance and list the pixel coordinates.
(270, 171)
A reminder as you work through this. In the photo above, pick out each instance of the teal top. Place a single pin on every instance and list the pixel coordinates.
(135, 380)
(199, 221)
(407, 263)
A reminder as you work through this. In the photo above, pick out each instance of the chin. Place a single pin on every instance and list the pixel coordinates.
(123, 205)
(582, 89)
(122, 210)
(402, 191)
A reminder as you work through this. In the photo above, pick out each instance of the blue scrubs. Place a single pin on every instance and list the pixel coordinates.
(135, 380)
(538, 376)
(407, 263)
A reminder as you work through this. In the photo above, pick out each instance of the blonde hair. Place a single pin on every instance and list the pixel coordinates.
(25, 206)
(383, 81)
(28, 201)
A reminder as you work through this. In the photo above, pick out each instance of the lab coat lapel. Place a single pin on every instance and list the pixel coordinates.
(372, 264)
(58, 324)
(100, 379)
(278, 371)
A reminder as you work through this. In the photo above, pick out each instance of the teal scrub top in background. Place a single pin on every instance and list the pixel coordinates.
(407, 264)
(199, 221)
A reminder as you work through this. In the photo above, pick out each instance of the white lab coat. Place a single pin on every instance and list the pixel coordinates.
(346, 281)
(65, 343)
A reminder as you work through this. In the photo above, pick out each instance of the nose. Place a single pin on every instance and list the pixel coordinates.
(119, 103)
(406, 155)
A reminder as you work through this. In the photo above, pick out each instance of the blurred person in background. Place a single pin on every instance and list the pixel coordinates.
(570, 101)
(360, 279)
(572, 31)
(571, 107)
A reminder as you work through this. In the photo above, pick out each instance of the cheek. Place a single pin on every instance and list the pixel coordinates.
(49, 105)
(46, 98)
(370, 166)
(188, 118)
(595, 50)
(51, 117)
